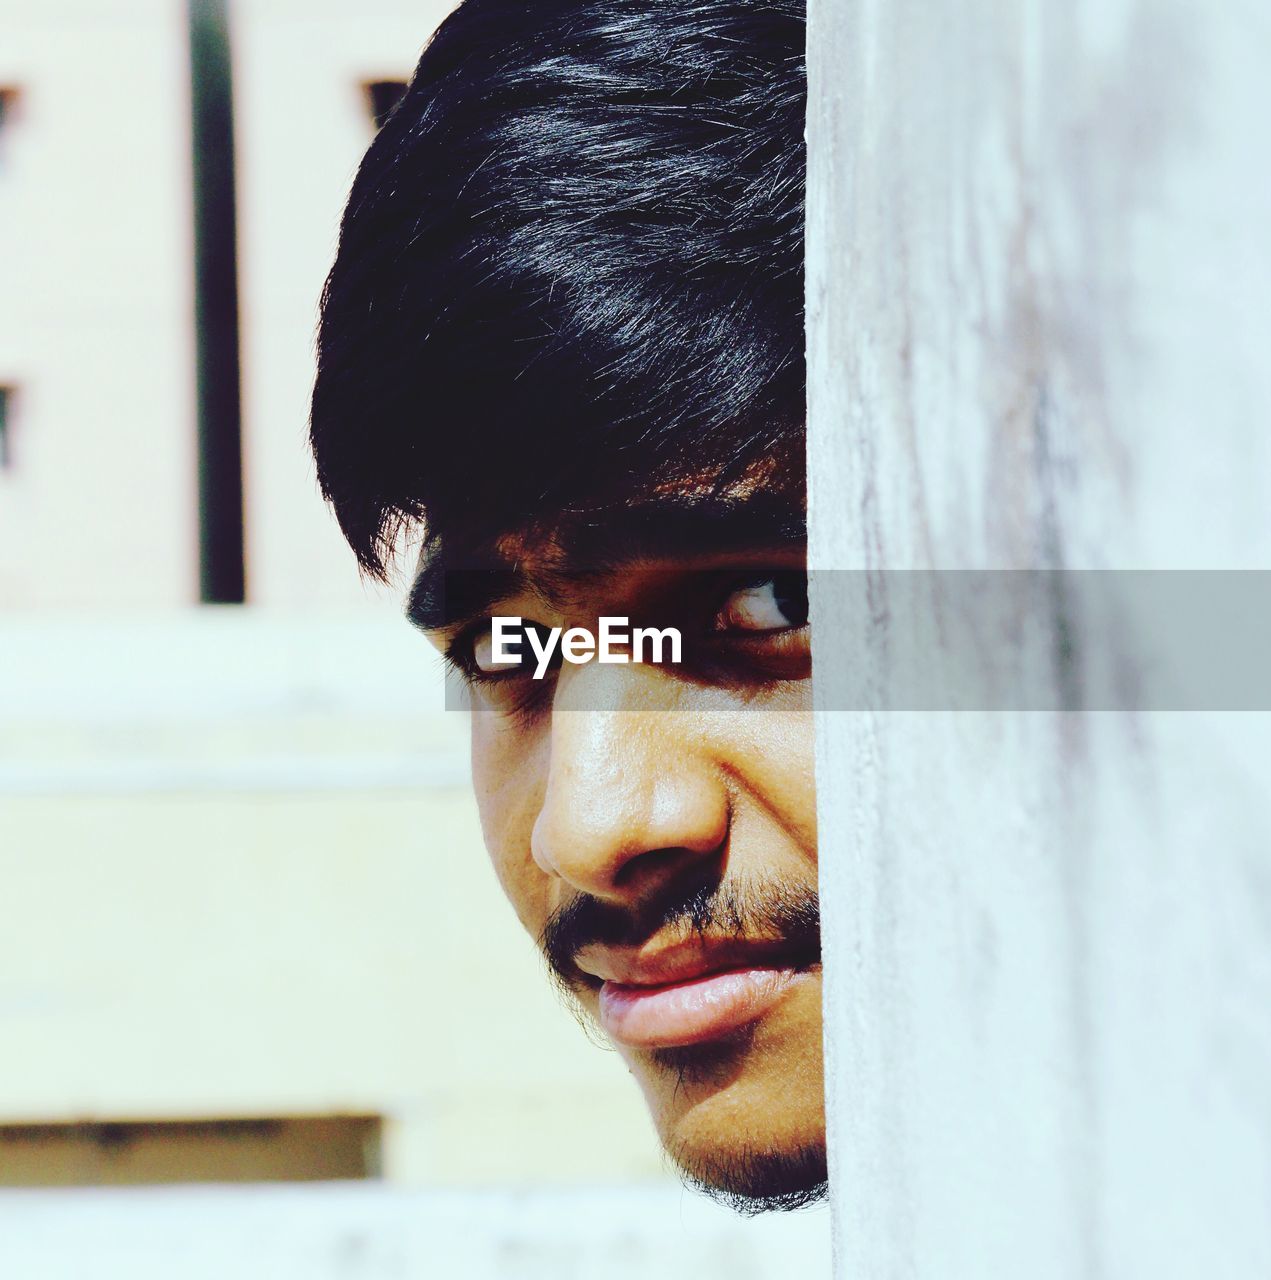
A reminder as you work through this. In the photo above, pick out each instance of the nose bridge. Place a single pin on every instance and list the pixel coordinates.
(628, 777)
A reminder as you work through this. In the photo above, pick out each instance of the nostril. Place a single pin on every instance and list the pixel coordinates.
(646, 870)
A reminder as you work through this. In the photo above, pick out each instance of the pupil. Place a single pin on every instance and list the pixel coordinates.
(790, 590)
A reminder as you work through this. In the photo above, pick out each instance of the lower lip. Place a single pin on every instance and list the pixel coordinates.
(692, 1012)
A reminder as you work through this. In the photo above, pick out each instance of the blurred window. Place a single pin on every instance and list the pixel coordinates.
(7, 398)
(8, 111)
(292, 1149)
(381, 97)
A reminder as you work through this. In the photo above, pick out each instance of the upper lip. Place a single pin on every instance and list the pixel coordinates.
(654, 964)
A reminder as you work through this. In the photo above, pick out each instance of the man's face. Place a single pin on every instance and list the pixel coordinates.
(654, 825)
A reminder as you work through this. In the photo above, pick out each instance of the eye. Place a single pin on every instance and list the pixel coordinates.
(472, 652)
(483, 654)
(777, 602)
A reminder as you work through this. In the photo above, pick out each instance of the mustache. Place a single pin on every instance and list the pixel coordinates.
(769, 908)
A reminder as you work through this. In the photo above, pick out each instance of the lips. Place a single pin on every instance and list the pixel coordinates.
(690, 994)
(693, 1012)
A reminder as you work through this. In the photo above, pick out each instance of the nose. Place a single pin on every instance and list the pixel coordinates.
(633, 800)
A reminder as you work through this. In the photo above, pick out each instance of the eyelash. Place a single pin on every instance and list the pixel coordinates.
(459, 658)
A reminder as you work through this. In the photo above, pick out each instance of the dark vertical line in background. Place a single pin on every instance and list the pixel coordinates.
(6, 446)
(221, 576)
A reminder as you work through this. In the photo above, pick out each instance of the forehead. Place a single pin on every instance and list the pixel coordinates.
(665, 528)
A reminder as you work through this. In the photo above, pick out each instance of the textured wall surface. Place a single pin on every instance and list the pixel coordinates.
(347, 1232)
(1040, 305)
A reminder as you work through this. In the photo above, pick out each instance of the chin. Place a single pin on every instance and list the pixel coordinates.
(753, 1180)
(743, 1119)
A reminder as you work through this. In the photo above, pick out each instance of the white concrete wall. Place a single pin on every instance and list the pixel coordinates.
(365, 1233)
(95, 311)
(1040, 306)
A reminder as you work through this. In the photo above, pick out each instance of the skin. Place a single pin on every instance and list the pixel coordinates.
(628, 784)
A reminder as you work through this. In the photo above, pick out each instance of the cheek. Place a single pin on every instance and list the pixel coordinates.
(509, 791)
(773, 757)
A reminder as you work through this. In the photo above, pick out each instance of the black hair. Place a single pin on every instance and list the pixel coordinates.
(571, 266)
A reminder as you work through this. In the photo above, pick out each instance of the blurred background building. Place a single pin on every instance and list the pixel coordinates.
(249, 934)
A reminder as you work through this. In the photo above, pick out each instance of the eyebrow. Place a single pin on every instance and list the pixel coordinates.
(443, 596)
(454, 587)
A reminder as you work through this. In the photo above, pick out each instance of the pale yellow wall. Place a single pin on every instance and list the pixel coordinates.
(242, 876)
(95, 305)
(232, 955)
